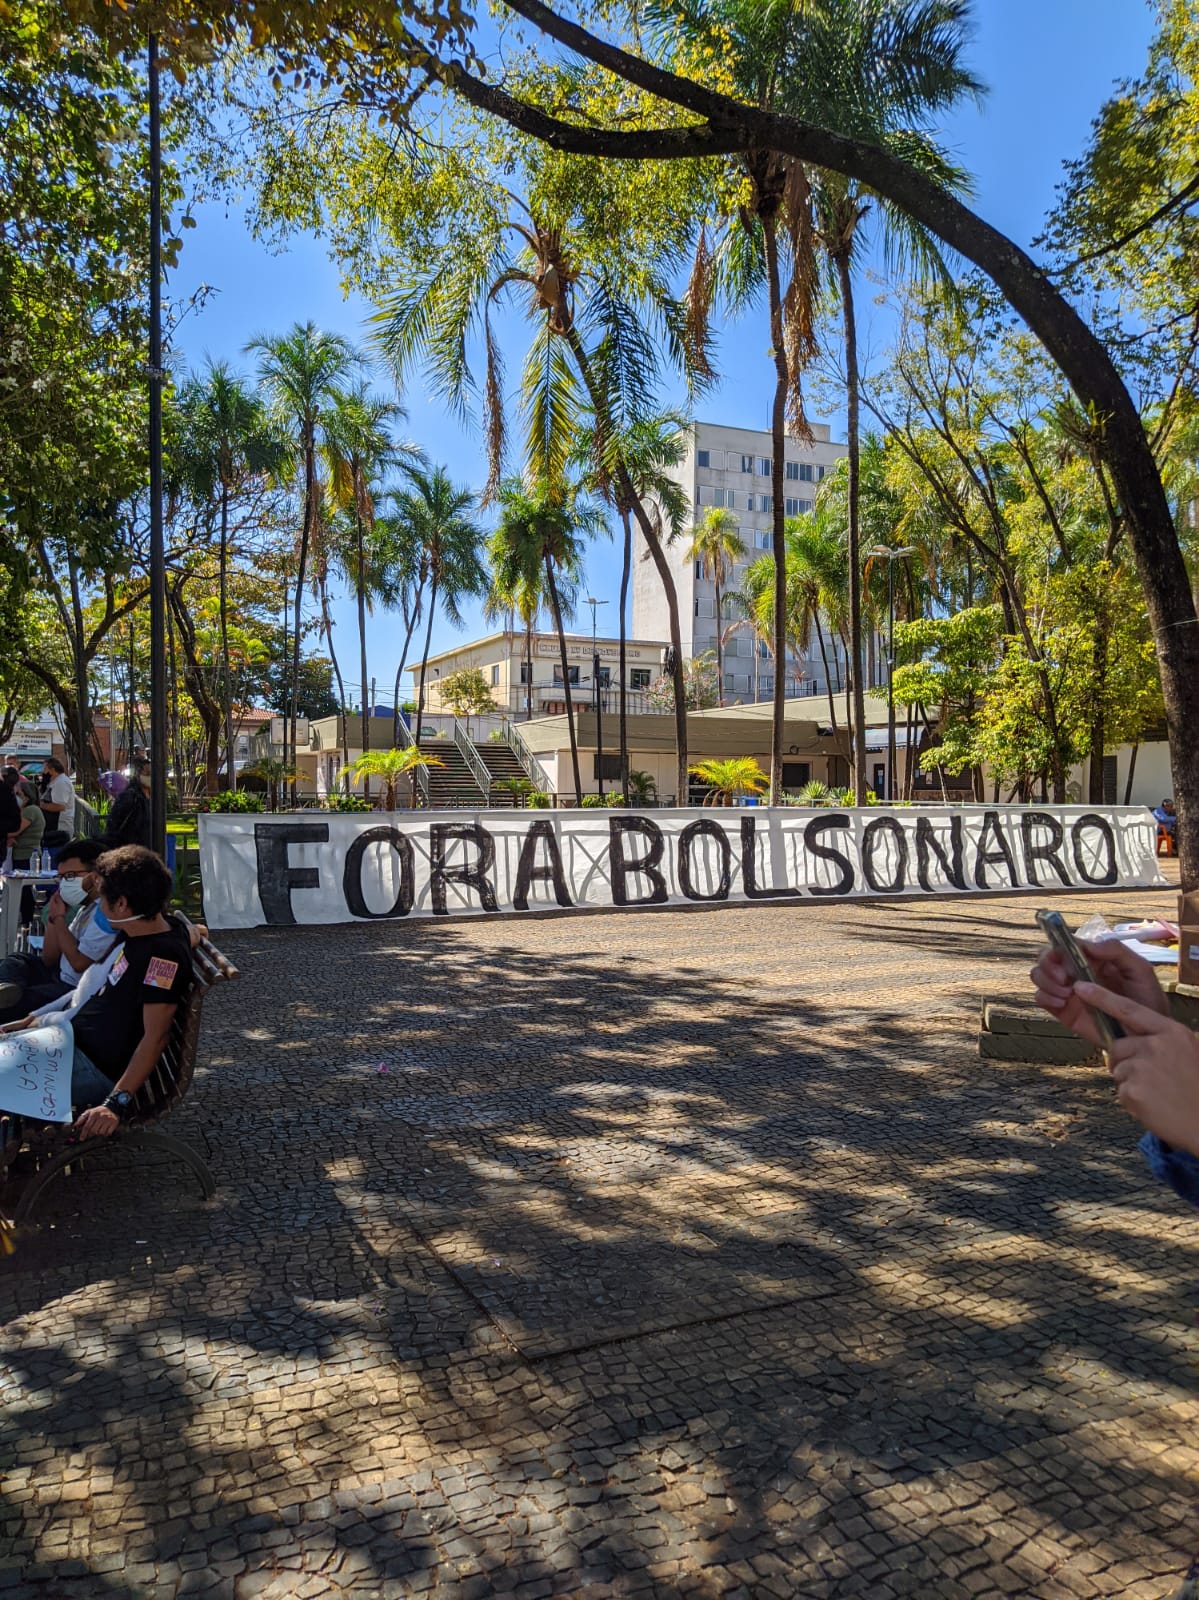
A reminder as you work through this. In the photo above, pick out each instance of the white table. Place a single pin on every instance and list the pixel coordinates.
(10, 903)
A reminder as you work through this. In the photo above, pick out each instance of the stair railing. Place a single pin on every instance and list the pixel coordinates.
(409, 742)
(474, 761)
(534, 771)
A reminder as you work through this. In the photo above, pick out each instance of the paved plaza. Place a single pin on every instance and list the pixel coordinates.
(622, 1254)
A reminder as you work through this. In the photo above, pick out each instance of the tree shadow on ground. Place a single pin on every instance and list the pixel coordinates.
(619, 1278)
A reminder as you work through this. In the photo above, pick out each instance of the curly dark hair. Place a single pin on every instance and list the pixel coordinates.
(138, 875)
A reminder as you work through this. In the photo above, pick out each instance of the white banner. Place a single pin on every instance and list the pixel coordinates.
(305, 867)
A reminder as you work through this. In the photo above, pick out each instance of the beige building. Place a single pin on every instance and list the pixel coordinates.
(503, 660)
(731, 467)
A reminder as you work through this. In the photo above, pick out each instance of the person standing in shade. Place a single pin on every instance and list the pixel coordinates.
(58, 803)
(31, 823)
(129, 814)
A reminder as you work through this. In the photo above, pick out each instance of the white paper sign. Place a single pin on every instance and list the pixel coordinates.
(35, 1072)
(302, 867)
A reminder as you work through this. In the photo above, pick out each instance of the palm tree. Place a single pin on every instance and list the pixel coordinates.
(874, 69)
(274, 773)
(517, 590)
(359, 449)
(391, 766)
(648, 449)
(300, 372)
(717, 545)
(228, 441)
(614, 368)
(729, 777)
(541, 532)
(432, 517)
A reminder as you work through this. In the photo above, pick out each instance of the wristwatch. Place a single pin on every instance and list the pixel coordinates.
(120, 1101)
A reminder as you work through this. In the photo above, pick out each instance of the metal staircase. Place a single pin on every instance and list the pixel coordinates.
(452, 786)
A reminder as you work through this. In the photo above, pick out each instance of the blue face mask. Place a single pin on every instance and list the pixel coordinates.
(102, 922)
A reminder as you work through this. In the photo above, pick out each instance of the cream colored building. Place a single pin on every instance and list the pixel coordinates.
(731, 467)
(503, 660)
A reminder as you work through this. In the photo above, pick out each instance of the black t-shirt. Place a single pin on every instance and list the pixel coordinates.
(153, 970)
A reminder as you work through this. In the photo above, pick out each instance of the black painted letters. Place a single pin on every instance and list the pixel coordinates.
(276, 879)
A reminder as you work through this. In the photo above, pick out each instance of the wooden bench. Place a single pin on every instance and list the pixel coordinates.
(51, 1148)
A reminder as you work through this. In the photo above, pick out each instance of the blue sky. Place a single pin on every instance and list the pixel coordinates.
(1049, 65)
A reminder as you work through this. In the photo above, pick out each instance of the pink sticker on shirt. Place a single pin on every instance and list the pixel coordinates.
(119, 970)
(160, 974)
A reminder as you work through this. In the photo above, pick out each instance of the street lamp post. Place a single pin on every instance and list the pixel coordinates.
(158, 586)
(595, 682)
(882, 551)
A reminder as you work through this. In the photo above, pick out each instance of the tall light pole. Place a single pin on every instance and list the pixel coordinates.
(595, 681)
(158, 570)
(891, 556)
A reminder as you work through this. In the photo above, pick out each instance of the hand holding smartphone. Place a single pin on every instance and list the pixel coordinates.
(1063, 941)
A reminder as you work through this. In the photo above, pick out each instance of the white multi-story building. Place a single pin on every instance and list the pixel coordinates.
(731, 467)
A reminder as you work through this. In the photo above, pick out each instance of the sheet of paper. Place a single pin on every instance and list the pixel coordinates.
(35, 1072)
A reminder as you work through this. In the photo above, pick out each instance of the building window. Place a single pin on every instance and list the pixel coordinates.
(703, 458)
(495, 675)
(766, 683)
(524, 672)
(765, 539)
(605, 677)
(705, 607)
(574, 677)
(805, 507)
(806, 472)
(639, 678)
(765, 502)
(820, 472)
(765, 466)
(791, 470)
(791, 507)
(747, 464)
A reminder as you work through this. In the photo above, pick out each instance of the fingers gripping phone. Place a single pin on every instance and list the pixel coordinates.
(1055, 930)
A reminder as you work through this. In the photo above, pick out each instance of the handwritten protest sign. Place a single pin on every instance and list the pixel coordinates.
(35, 1072)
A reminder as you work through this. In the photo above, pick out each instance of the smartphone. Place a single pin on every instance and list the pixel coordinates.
(1055, 930)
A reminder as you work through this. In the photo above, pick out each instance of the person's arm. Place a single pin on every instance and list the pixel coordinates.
(60, 941)
(1155, 1067)
(156, 1022)
(1118, 968)
(49, 803)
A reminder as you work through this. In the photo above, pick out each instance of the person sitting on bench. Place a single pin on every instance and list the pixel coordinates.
(1166, 817)
(77, 934)
(121, 1031)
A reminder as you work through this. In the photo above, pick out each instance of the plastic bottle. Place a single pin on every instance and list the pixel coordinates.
(35, 861)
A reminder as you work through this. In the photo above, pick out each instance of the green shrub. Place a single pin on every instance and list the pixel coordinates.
(348, 802)
(616, 799)
(232, 800)
(592, 801)
(538, 800)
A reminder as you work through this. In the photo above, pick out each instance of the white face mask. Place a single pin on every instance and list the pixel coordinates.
(72, 891)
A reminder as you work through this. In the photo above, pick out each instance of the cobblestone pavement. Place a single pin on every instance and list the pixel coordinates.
(671, 1254)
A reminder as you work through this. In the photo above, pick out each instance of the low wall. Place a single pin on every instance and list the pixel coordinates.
(303, 867)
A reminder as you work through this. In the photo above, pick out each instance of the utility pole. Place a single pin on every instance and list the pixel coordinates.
(158, 570)
(595, 684)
